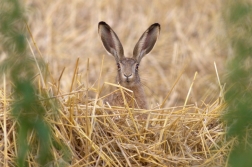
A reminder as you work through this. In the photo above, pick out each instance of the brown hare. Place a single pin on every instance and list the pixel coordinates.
(127, 68)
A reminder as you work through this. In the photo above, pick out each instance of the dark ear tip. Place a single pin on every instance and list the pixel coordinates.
(156, 25)
(102, 23)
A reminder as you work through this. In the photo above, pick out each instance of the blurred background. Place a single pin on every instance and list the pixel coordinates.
(191, 38)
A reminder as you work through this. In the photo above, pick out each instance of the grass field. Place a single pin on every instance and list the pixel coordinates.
(179, 73)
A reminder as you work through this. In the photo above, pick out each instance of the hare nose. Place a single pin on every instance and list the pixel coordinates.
(127, 75)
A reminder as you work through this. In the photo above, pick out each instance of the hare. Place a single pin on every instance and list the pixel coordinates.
(127, 68)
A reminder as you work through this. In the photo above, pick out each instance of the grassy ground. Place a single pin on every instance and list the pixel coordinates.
(190, 42)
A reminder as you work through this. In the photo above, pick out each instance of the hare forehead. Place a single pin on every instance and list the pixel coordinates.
(128, 62)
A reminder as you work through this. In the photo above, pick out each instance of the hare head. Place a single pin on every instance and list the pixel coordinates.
(127, 68)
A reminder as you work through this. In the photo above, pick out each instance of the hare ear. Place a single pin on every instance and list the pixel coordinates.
(146, 42)
(110, 40)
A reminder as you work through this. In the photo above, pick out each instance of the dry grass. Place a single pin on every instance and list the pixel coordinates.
(186, 98)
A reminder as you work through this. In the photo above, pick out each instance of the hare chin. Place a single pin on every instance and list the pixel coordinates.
(128, 84)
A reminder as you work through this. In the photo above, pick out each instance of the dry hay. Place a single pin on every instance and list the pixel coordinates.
(99, 135)
(183, 127)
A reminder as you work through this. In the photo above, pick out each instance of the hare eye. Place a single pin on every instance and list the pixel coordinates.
(137, 65)
(118, 67)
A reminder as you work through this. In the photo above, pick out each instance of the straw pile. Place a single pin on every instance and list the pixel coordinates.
(185, 94)
(97, 135)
